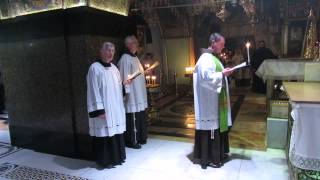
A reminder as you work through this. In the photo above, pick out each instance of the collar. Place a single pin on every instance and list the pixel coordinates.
(104, 64)
(204, 50)
(131, 54)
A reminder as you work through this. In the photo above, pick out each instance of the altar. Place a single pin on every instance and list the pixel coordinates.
(303, 148)
(274, 72)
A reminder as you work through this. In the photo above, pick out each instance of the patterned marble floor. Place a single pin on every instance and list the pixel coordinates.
(249, 112)
(249, 128)
(177, 119)
(164, 157)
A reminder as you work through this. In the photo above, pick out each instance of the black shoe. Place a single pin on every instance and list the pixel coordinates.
(215, 165)
(226, 157)
(143, 142)
(134, 146)
(102, 167)
(204, 166)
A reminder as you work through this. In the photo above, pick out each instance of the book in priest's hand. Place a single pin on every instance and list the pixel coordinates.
(244, 64)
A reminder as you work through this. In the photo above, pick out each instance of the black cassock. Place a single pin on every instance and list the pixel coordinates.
(136, 128)
(209, 150)
(109, 151)
(257, 59)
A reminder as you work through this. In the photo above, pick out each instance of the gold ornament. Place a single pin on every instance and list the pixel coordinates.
(309, 49)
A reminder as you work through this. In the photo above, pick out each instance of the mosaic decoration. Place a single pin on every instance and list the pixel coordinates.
(74, 3)
(7, 149)
(183, 10)
(115, 6)
(14, 8)
(309, 49)
(18, 172)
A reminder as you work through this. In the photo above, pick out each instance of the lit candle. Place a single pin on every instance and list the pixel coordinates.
(248, 52)
(153, 78)
(189, 70)
(148, 80)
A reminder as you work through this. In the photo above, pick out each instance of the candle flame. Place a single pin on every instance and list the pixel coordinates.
(248, 44)
(189, 69)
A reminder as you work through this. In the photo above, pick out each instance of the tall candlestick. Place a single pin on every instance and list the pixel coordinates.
(248, 52)
(148, 80)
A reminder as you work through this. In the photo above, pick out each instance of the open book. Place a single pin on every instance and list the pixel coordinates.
(244, 64)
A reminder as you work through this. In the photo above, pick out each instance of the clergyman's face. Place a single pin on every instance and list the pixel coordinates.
(132, 45)
(262, 45)
(108, 53)
(218, 46)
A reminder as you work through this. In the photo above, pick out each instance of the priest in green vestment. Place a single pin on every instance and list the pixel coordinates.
(212, 105)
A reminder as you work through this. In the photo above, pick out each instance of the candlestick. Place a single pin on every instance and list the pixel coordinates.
(148, 80)
(248, 51)
(153, 78)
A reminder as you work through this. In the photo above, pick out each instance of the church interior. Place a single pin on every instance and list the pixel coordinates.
(47, 47)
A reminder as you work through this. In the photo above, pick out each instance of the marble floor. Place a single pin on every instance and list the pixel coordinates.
(248, 112)
(177, 119)
(164, 157)
(250, 125)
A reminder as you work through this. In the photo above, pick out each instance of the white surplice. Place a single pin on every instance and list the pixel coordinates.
(207, 84)
(104, 92)
(136, 91)
(304, 151)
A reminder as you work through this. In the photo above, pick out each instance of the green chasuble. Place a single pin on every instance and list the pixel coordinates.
(223, 100)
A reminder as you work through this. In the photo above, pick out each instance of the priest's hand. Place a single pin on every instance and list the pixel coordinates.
(227, 71)
(102, 116)
(126, 82)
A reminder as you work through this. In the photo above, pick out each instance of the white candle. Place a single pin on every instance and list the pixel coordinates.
(148, 80)
(248, 52)
(189, 70)
(153, 78)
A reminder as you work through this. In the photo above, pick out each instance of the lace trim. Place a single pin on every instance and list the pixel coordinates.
(303, 162)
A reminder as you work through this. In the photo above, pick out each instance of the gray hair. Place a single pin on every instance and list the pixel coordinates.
(215, 37)
(128, 38)
(107, 45)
